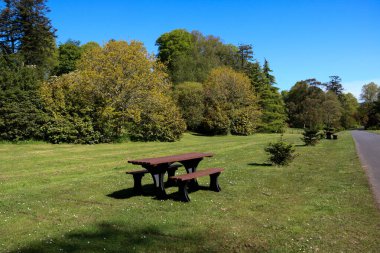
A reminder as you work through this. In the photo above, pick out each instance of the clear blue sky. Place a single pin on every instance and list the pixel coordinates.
(300, 38)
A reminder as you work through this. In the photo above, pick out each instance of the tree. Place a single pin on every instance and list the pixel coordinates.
(231, 104)
(173, 44)
(10, 33)
(350, 113)
(303, 103)
(28, 31)
(68, 55)
(332, 110)
(267, 70)
(245, 53)
(335, 85)
(21, 111)
(118, 90)
(370, 92)
(190, 99)
(191, 56)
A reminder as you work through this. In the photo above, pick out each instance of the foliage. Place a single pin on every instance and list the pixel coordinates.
(311, 136)
(190, 99)
(269, 99)
(26, 29)
(370, 92)
(191, 56)
(280, 153)
(109, 94)
(21, 110)
(230, 103)
(68, 55)
(372, 113)
(332, 110)
(335, 85)
(304, 105)
(350, 111)
(157, 120)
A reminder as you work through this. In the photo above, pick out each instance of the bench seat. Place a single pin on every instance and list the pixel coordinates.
(183, 180)
(138, 174)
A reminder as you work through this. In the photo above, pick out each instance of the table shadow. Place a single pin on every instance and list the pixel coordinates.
(260, 164)
(147, 190)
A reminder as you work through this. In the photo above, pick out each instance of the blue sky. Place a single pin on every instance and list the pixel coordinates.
(300, 38)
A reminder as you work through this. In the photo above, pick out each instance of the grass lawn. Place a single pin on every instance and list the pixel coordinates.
(374, 131)
(77, 198)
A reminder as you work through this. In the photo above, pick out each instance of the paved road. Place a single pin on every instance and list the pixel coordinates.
(368, 148)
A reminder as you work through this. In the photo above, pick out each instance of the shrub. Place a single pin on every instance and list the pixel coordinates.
(189, 97)
(215, 122)
(231, 103)
(244, 121)
(311, 137)
(157, 119)
(280, 153)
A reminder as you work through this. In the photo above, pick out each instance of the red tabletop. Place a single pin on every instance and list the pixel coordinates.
(170, 159)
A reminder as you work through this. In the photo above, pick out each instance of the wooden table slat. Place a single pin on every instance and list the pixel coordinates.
(170, 159)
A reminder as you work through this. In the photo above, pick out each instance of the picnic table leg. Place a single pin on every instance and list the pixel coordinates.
(158, 179)
(191, 166)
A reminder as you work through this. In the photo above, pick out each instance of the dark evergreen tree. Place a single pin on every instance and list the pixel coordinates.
(10, 33)
(245, 54)
(335, 85)
(267, 72)
(270, 100)
(21, 110)
(25, 29)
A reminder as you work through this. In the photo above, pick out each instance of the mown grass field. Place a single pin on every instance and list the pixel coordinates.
(77, 198)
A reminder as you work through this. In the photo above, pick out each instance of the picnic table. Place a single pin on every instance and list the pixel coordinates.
(158, 166)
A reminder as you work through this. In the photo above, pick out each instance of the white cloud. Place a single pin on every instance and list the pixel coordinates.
(355, 87)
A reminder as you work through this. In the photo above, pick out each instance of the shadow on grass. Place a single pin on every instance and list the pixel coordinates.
(111, 237)
(260, 164)
(121, 237)
(148, 191)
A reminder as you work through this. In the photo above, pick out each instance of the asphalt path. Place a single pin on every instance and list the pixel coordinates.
(368, 149)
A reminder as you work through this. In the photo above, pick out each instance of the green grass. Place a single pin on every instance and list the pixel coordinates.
(77, 198)
(374, 131)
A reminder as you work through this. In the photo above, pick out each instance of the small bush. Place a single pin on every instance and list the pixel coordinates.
(280, 153)
(311, 137)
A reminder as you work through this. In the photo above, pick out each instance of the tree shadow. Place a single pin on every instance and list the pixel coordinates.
(121, 237)
(260, 164)
(113, 237)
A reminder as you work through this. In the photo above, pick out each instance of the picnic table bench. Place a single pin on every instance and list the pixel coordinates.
(158, 166)
(185, 178)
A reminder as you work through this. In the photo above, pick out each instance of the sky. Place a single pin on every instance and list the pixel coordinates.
(301, 39)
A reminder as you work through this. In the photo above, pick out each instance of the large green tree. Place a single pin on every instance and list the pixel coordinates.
(118, 90)
(190, 99)
(370, 92)
(68, 55)
(231, 104)
(26, 29)
(21, 111)
(190, 56)
(304, 105)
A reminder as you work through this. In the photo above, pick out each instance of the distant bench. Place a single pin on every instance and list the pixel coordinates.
(138, 174)
(183, 180)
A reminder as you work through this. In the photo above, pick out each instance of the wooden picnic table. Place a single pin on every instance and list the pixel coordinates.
(158, 166)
